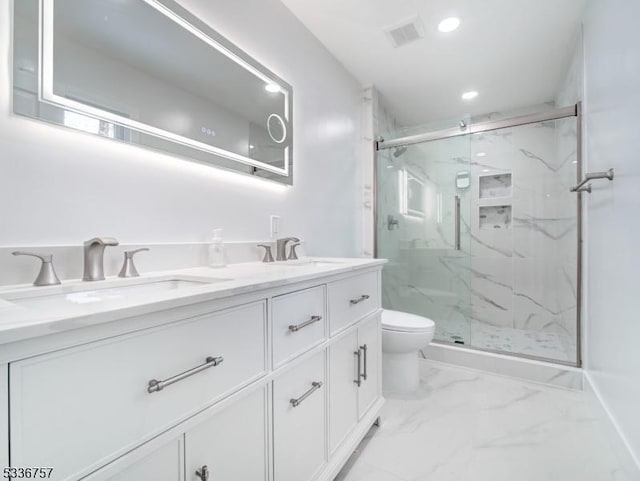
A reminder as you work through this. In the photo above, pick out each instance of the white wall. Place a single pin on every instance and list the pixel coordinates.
(612, 103)
(58, 186)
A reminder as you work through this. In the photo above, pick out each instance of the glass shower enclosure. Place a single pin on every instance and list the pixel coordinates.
(481, 231)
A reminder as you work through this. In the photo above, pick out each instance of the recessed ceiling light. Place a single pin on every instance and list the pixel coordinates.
(481, 154)
(251, 147)
(485, 170)
(472, 94)
(449, 24)
(272, 88)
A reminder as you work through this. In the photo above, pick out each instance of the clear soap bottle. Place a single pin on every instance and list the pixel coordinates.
(217, 254)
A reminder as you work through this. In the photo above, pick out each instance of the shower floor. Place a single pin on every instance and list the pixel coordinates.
(548, 345)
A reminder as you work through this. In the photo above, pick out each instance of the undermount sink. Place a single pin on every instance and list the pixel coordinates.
(101, 291)
(306, 263)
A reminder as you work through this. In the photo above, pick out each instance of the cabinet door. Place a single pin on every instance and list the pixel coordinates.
(343, 392)
(161, 464)
(370, 347)
(232, 443)
(61, 399)
(299, 421)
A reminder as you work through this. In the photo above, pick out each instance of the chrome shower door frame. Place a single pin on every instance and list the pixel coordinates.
(553, 114)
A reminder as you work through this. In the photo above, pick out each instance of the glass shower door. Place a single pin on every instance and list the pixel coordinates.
(423, 230)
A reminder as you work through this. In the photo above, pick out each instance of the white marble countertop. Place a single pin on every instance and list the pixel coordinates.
(28, 312)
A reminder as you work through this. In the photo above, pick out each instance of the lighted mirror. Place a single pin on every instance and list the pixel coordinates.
(147, 72)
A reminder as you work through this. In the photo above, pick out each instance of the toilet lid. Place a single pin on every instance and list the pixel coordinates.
(405, 322)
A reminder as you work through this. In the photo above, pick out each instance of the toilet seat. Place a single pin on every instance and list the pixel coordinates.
(397, 321)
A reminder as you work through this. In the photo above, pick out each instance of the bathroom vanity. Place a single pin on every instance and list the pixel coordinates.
(250, 372)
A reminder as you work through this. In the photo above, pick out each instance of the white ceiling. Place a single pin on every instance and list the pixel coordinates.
(515, 53)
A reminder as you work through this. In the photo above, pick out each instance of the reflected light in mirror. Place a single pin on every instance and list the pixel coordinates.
(472, 94)
(272, 88)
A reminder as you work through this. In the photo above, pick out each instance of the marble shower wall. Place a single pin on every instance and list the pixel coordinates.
(524, 270)
(512, 285)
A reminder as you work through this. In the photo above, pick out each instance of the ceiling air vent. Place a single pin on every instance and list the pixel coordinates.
(405, 32)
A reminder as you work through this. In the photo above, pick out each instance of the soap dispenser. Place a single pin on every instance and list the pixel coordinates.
(217, 255)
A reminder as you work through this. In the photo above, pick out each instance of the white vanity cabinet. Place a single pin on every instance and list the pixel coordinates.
(299, 400)
(258, 387)
(73, 408)
(355, 379)
(232, 444)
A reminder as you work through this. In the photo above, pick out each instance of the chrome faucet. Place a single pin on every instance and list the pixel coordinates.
(94, 257)
(281, 247)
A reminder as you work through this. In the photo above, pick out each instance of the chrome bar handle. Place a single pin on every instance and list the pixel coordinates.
(457, 224)
(358, 353)
(363, 297)
(203, 473)
(364, 350)
(297, 327)
(314, 387)
(157, 386)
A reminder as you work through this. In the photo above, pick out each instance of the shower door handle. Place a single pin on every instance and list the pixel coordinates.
(456, 234)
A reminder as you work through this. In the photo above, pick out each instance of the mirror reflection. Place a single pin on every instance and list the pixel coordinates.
(138, 72)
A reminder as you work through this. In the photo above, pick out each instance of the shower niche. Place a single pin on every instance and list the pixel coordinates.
(495, 217)
(494, 186)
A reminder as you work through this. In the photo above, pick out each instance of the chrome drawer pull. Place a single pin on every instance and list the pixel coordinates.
(364, 350)
(314, 387)
(297, 327)
(203, 473)
(156, 386)
(359, 356)
(363, 297)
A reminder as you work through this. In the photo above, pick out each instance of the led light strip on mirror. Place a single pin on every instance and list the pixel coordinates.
(47, 95)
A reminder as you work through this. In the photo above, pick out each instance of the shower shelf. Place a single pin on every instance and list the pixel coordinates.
(494, 186)
(494, 217)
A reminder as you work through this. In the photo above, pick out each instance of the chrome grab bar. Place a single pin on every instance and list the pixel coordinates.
(297, 327)
(592, 176)
(364, 350)
(359, 355)
(156, 386)
(457, 224)
(314, 387)
(363, 297)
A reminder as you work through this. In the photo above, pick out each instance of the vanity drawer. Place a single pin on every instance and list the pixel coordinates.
(351, 299)
(77, 408)
(299, 421)
(299, 322)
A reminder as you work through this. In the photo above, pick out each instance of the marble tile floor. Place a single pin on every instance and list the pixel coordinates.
(549, 345)
(466, 425)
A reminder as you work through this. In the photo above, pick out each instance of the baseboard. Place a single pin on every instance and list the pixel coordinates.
(628, 460)
(528, 369)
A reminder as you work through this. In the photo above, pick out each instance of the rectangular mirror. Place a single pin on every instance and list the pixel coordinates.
(149, 73)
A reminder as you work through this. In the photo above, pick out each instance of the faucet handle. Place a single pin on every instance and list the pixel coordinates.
(47, 275)
(268, 257)
(292, 253)
(128, 267)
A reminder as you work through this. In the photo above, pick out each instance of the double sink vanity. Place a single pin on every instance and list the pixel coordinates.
(254, 371)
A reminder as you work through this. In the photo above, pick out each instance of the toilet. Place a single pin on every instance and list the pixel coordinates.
(403, 335)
